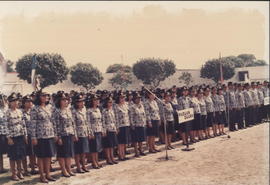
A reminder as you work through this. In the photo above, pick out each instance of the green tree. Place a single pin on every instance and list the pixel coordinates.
(152, 71)
(117, 67)
(250, 60)
(121, 80)
(186, 78)
(51, 68)
(211, 69)
(10, 66)
(84, 74)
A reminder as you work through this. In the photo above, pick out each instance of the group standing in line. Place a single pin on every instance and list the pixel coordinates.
(80, 126)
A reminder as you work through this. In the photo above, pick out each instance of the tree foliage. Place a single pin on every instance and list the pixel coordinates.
(121, 80)
(152, 71)
(211, 70)
(118, 67)
(50, 67)
(186, 78)
(250, 60)
(84, 74)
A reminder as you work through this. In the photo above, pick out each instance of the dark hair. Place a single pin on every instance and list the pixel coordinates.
(89, 103)
(105, 105)
(37, 100)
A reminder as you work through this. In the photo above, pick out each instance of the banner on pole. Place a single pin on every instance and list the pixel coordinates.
(266, 101)
(185, 115)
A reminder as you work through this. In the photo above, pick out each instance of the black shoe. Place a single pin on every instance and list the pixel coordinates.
(136, 155)
(50, 179)
(115, 162)
(85, 170)
(67, 176)
(110, 163)
(142, 153)
(79, 171)
(126, 158)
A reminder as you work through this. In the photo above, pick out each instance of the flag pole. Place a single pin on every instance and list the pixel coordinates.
(220, 69)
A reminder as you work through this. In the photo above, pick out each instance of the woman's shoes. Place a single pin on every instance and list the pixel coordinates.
(65, 175)
(110, 163)
(136, 155)
(71, 174)
(126, 158)
(115, 162)
(156, 150)
(95, 167)
(50, 179)
(79, 171)
(142, 153)
(20, 175)
(85, 169)
(44, 180)
(152, 151)
(100, 165)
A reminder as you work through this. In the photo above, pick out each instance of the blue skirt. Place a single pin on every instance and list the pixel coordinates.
(67, 148)
(153, 131)
(82, 145)
(203, 122)
(123, 135)
(137, 134)
(210, 119)
(221, 118)
(95, 145)
(17, 151)
(29, 147)
(196, 122)
(110, 141)
(170, 127)
(45, 148)
(185, 127)
(3, 144)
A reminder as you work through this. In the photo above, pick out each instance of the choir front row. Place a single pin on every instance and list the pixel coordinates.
(80, 126)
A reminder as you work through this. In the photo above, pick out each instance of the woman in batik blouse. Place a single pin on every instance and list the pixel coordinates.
(168, 116)
(16, 137)
(153, 121)
(109, 123)
(137, 124)
(43, 135)
(83, 132)
(95, 123)
(66, 133)
(123, 125)
(27, 106)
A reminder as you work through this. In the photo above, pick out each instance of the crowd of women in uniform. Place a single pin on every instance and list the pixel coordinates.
(80, 125)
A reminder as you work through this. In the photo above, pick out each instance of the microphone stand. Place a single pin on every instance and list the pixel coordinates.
(165, 123)
(228, 114)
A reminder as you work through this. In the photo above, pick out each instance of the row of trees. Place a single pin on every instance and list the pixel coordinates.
(211, 69)
(52, 69)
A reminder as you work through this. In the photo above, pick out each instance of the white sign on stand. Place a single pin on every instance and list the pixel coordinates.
(185, 115)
